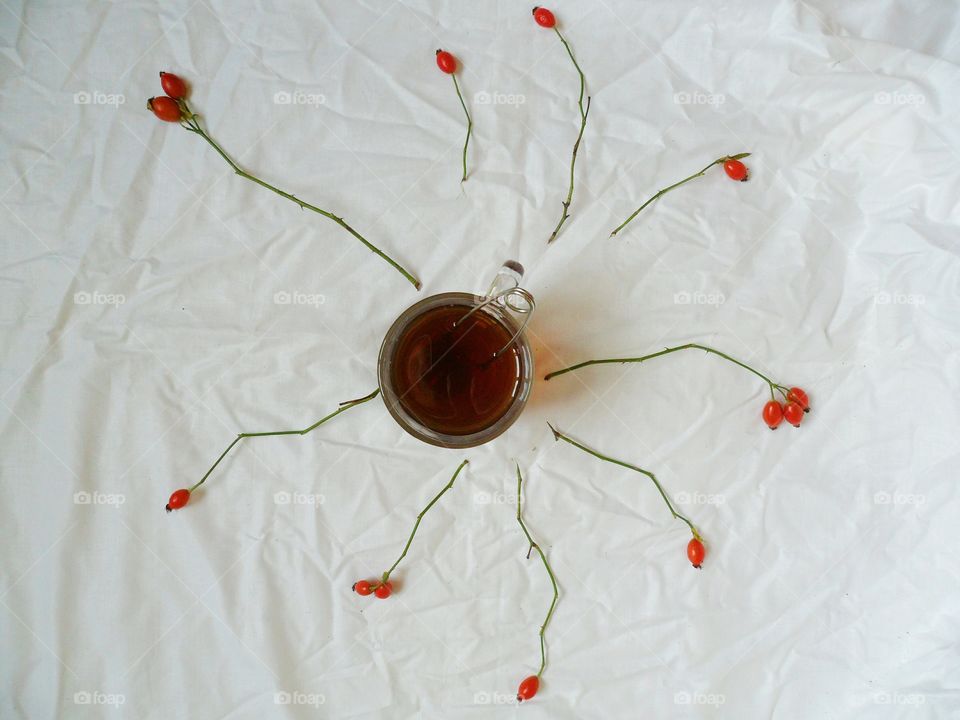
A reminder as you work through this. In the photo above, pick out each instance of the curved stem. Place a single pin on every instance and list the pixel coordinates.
(343, 408)
(469, 125)
(665, 190)
(553, 580)
(557, 435)
(193, 125)
(584, 112)
(667, 351)
(416, 525)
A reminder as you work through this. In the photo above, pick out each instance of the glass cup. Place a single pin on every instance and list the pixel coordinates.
(501, 315)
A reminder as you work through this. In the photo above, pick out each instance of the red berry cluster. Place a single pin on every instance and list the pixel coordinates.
(166, 106)
(381, 590)
(797, 404)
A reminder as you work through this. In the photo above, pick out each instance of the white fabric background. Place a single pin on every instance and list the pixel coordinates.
(838, 269)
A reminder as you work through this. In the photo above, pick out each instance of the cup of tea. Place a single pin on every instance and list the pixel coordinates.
(456, 369)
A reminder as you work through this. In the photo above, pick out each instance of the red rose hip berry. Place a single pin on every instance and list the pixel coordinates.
(362, 587)
(383, 590)
(793, 414)
(544, 17)
(798, 396)
(735, 169)
(165, 108)
(446, 62)
(528, 688)
(178, 499)
(696, 552)
(172, 85)
(773, 414)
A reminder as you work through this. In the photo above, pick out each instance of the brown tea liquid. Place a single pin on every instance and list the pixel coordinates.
(447, 378)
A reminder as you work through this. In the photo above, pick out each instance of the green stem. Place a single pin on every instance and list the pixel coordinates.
(665, 190)
(576, 146)
(553, 580)
(416, 525)
(343, 408)
(781, 388)
(469, 125)
(193, 125)
(560, 436)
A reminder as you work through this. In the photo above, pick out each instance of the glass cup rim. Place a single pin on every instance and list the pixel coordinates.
(417, 429)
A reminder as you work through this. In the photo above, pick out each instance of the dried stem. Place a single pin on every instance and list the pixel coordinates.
(469, 125)
(416, 525)
(553, 580)
(191, 123)
(343, 408)
(665, 190)
(584, 112)
(666, 351)
(557, 435)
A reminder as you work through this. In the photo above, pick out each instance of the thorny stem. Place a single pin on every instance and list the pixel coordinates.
(416, 525)
(664, 191)
(192, 124)
(666, 351)
(343, 408)
(576, 146)
(553, 580)
(557, 435)
(469, 125)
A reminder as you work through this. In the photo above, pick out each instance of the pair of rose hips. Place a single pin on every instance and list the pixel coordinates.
(797, 404)
(166, 106)
(381, 590)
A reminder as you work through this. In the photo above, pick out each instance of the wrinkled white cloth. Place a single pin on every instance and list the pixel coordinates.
(154, 304)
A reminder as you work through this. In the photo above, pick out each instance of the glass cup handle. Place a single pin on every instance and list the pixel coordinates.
(505, 290)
